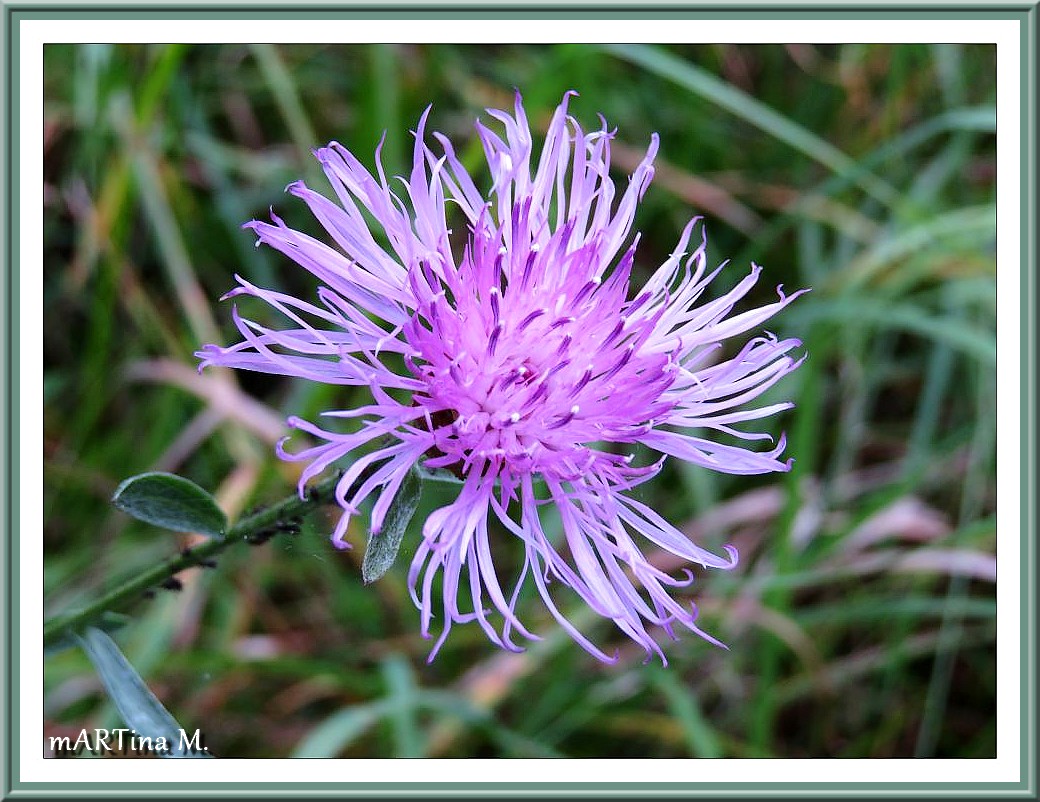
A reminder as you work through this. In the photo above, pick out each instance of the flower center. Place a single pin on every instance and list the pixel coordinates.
(529, 388)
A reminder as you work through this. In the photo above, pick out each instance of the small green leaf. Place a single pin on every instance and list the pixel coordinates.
(384, 545)
(141, 711)
(107, 622)
(436, 475)
(171, 502)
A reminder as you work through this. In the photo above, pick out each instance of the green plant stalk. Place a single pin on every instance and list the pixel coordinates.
(287, 509)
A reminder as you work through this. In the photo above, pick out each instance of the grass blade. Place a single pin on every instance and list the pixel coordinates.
(703, 83)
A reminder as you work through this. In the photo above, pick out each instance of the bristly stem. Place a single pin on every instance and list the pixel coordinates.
(246, 530)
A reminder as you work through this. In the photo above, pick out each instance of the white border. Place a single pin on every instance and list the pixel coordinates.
(34, 33)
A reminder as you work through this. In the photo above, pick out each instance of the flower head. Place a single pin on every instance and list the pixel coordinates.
(522, 359)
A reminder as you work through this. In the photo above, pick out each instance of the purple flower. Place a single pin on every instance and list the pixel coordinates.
(517, 354)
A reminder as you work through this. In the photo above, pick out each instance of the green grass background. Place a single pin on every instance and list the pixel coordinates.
(861, 622)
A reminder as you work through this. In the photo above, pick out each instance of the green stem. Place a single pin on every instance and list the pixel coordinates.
(285, 510)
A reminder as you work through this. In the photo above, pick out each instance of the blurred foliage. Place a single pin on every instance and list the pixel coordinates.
(861, 622)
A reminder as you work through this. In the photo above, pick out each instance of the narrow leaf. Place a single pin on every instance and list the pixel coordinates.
(341, 729)
(402, 691)
(701, 738)
(171, 502)
(141, 711)
(436, 475)
(106, 622)
(384, 544)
